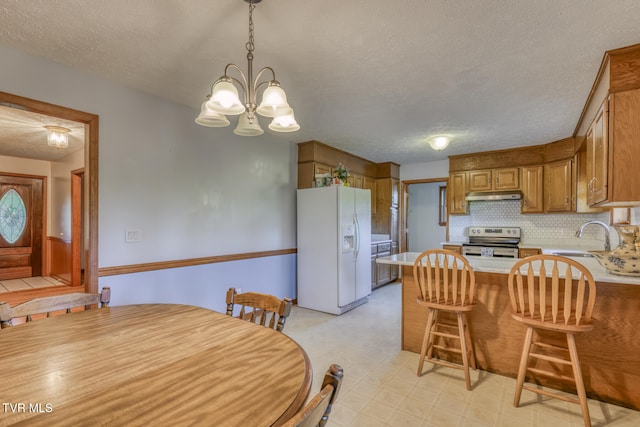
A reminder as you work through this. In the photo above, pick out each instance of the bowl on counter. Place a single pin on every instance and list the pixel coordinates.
(624, 264)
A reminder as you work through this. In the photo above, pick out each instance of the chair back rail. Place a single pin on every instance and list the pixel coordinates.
(444, 278)
(48, 305)
(263, 309)
(316, 412)
(552, 290)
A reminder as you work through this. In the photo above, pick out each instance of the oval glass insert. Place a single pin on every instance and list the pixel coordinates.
(13, 216)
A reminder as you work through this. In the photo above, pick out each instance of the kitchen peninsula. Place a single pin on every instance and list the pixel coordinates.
(608, 354)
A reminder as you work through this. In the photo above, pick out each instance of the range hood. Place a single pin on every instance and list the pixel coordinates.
(494, 195)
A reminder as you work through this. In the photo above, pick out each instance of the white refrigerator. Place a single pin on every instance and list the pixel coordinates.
(334, 248)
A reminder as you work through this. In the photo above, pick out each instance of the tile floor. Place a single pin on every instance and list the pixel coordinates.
(381, 388)
(28, 283)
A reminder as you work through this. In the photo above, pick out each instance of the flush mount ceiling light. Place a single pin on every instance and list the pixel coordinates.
(224, 100)
(439, 142)
(57, 136)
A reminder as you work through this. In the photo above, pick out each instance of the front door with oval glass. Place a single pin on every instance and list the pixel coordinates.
(21, 226)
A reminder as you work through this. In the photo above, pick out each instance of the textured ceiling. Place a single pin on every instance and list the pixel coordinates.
(23, 134)
(374, 77)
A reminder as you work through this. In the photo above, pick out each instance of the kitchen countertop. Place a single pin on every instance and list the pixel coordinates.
(503, 266)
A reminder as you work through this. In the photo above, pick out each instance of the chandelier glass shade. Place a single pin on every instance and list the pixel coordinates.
(210, 118)
(284, 123)
(224, 98)
(57, 136)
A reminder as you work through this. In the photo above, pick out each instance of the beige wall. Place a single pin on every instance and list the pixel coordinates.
(58, 188)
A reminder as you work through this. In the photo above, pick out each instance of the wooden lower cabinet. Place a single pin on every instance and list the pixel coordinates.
(454, 248)
(374, 270)
(525, 252)
(608, 354)
(395, 270)
(381, 274)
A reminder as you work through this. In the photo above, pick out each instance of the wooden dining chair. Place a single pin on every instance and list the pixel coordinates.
(316, 412)
(48, 305)
(263, 309)
(446, 283)
(553, 295)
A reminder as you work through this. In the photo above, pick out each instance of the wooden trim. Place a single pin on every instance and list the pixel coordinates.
(318, 152)
(623, 74)
(404, 200)
(603, 66)
(59, 259)
(91, 169)
(161, 265)
(77, 176)
(518, 156)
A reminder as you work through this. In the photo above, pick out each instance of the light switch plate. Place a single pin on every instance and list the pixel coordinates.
(132, 235)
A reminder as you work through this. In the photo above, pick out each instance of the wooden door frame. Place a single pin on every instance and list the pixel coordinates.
(77, 225)
(90, 165)
(404, 207)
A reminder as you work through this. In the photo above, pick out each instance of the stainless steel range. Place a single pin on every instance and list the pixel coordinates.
(501, 242)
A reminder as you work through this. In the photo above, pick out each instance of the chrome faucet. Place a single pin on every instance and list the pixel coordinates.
(607, 241)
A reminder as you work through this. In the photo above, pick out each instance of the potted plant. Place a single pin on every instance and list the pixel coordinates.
(341, 175)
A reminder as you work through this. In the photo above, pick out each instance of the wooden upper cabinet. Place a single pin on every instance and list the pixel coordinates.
(531, 184)
(457, 190)
(355, 180)
(597, 157)
(480, 180)
(494, 179)
(395, 192)
(613, 150)
(506, 179)
(370, 184)
(386, 218)
(558, 186)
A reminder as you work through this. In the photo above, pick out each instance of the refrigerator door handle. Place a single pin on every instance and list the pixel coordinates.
(357, 249)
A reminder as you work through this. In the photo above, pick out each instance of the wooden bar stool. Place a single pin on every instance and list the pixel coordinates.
(562, 303)
(446, 283)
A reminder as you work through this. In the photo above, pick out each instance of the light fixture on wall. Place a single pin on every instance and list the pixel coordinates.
(57, 136)
(223, 99)
(439, 142)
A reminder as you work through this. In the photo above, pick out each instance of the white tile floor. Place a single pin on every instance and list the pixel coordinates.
(381, 388)
(28, 283)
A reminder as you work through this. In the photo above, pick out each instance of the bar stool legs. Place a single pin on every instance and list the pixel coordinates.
(573, 362)
(466, 347)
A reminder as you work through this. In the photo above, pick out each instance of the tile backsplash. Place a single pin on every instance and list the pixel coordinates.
(535, 227)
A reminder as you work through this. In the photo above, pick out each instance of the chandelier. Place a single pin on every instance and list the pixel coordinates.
(57, 136)
(224, 100)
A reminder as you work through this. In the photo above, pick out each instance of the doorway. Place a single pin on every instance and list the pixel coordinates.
(21, 226)
(424, 217)
(83, 230)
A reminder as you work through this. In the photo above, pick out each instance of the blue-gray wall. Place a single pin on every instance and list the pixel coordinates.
(191, 191)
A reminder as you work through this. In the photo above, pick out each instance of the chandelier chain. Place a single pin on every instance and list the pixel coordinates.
(250, 45)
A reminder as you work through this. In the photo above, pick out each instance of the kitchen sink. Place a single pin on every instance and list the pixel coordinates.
(573, 253)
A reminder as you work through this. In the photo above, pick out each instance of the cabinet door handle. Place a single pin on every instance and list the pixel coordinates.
(524, 202)
(566, 201)
(497, 181)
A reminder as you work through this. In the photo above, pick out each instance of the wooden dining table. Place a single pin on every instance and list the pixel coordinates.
(150, 364)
